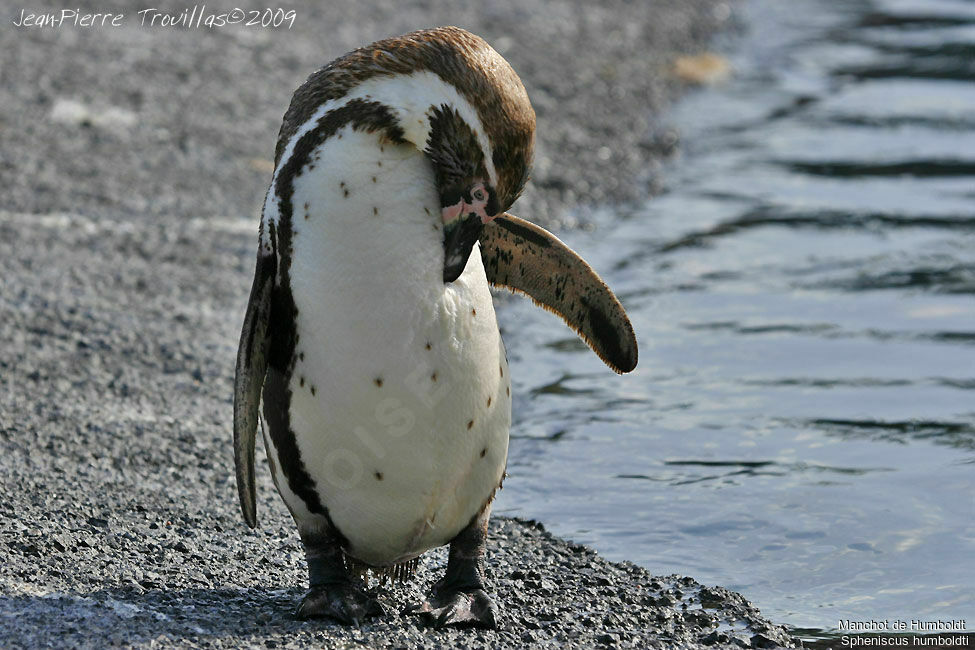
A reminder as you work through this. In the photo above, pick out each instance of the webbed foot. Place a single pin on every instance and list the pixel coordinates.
(333, 592)
(457, 606)
(345, 602)
(459, 598)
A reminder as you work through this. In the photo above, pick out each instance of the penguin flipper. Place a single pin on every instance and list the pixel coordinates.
(524, 257)
(249, 381)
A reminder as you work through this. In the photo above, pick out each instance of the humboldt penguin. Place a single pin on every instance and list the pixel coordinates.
(370, 353)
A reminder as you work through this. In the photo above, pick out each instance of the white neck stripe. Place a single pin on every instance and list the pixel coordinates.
(409, 97)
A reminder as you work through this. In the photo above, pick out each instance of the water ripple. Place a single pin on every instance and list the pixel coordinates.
(782, 216)
(912, 20)
(953, 434)
(915, 168)
(954, 279)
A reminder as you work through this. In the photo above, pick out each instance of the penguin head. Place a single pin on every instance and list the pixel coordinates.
(468, 190)
(480, 139)
(454, 98)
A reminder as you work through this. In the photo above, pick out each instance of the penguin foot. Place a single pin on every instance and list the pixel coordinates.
(344, 602)
(459, 598)
(457, 606)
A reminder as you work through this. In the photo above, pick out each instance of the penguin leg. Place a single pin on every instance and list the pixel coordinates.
(333, 592)
(459, 597)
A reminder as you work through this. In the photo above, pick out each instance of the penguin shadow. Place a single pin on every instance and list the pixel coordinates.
(125, 615)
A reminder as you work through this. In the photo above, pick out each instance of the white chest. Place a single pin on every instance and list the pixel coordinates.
(400, 391)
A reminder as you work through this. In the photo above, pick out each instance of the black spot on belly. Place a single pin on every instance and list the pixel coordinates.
(433, 377)
(501, 368)
(379, 476)
(483, 452)
(470, 423)
(313, 391)
(489, 402)
(379, 381)
(473, 312)
(301, 382)
(429, 346)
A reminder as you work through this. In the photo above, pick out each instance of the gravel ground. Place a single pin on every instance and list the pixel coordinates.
(133, 163)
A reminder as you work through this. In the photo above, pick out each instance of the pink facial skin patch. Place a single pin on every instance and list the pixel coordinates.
(478, 205)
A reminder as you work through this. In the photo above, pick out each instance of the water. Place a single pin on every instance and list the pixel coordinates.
(801, 427)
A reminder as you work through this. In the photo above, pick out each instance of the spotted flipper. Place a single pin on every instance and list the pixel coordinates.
(521, 256)
(249, 381)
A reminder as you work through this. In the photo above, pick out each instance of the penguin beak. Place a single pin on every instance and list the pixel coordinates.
(464, 214)
(458, 240)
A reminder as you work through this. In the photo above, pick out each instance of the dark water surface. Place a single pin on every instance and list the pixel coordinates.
(802, 424)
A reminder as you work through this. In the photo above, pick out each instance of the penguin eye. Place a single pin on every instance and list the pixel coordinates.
(479, 195)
